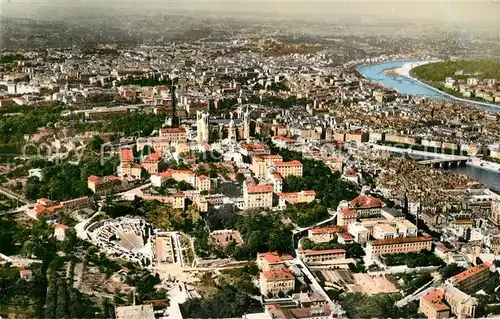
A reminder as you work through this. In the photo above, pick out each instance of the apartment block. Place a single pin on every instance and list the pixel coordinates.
(472, 277)
(433, 305)
(296, 198)
(104, 185)
(403, 245)
(258, 196)
(274, 282)
(292, 168)
(325, 234)
(321, 256)
(174, 134)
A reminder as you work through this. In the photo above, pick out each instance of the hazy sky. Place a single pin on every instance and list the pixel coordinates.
(447, 11)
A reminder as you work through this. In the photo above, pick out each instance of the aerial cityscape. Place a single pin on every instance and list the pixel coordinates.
(236, 159)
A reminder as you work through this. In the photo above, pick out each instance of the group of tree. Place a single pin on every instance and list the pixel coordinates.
(229, 302)
(9, 58)
(489, 297)
(450, 270)
(411, 282)
(330, 189)
(66, 180)
(130, 124)
(212, 171)
(261, 232)
(422, 259)
(145, 286)
(439, 71)
(27, 121)
(307, 214)
(358, 305)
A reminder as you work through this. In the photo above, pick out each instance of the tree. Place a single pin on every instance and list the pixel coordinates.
(96, 143)
(51, 301)
(450, 270)
(62, 299)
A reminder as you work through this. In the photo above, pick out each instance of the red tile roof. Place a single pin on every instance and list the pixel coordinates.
(472, 271)
(287, 164)
(402, 240)
(348, 212)
(346, 236)
(262, 188)
(365, 201)
(277, 176)
(25, 272)
(41, 208)
(95, 179)
(328, 230)
(271, 156)
(153, 157)
(274, 257)
(180, 129)
(435, 297)
(278, 274)
(170, 172)
(127, 155)
(252, 146)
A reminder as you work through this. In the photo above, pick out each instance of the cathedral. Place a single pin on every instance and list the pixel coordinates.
(210, 129)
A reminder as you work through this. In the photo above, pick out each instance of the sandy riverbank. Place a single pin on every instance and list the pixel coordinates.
(406, 68)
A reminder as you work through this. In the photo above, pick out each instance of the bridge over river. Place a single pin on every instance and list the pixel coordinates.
(446, 162)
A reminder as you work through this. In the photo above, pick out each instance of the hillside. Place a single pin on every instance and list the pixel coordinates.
(438, 71)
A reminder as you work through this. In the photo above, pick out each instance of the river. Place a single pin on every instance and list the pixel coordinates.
(406, 85)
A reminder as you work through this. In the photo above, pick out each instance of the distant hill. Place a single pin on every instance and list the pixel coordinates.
(460, 69)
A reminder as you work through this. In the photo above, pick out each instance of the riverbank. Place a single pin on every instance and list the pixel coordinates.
(407, 67)
(405, 71)
(489, 166)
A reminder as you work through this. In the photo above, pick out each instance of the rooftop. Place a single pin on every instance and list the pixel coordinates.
(287, 164)
(436, 297)
(262, 188)
(179, 129)
(127, 155)
(278, 274)
(153, 157)
(403, 240)
(273, 257)
(472, 271)
(365, 202)
(327, 230)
